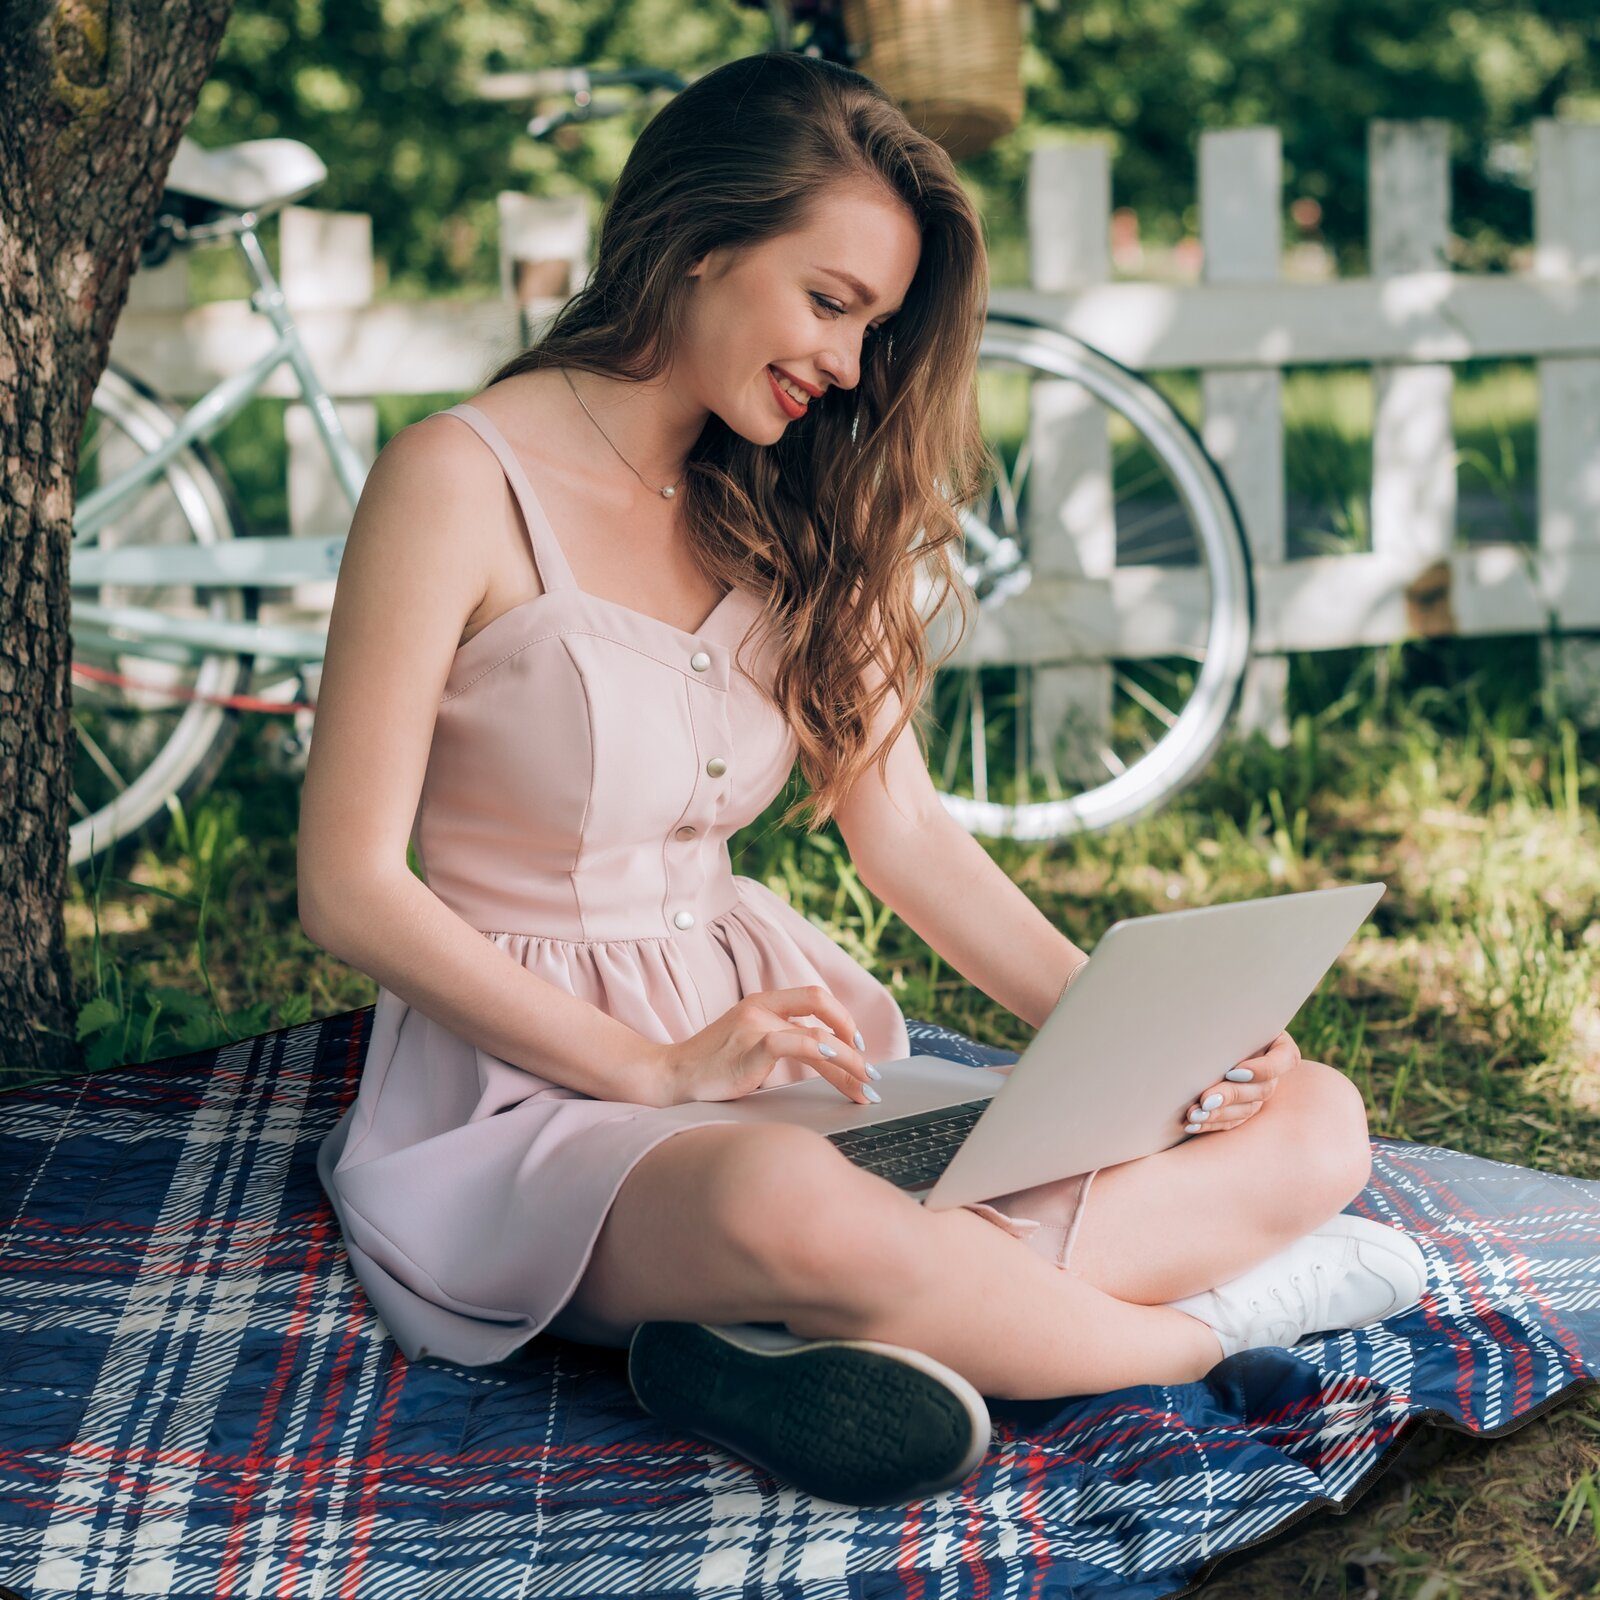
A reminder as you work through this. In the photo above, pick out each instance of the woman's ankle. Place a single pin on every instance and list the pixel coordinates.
(1209, 1345)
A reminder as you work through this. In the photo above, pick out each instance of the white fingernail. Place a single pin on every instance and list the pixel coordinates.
(827, 1050)
(1211, 1102)
(861, 1044)
(1240, 1074)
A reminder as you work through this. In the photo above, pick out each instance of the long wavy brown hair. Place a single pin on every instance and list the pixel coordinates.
(829, 526)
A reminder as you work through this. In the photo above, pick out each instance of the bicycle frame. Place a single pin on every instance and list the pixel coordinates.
(250, 562)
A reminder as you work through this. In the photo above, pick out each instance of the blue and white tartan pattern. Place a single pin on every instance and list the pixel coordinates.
(198, 1399)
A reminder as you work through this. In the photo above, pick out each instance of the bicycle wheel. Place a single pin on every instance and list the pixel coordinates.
(1114, 606)
(142, 736)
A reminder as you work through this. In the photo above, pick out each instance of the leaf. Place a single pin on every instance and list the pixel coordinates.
(197, 1033)
(102, 1053)
(150, 888)
(295, 1010)
(100, 1013)
(179, 1000)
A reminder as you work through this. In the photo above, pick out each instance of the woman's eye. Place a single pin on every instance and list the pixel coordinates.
(838, 311)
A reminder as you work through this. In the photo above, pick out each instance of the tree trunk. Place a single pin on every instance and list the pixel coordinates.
(94, 96)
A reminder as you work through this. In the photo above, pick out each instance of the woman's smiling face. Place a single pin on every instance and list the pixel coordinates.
(787, 303)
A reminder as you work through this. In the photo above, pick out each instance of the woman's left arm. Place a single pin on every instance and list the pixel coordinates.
(912, 854)
(947, 888)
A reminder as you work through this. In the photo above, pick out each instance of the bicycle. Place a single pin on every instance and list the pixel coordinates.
(1160, 716)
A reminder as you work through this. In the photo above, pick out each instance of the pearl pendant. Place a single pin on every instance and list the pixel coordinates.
(668, 492)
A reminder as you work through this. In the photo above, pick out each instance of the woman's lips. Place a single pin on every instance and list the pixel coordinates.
(790, 408)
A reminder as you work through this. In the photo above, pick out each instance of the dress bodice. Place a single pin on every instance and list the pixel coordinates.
(590, 761)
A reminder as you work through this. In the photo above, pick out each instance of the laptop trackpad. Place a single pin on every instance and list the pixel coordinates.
(919, 1083)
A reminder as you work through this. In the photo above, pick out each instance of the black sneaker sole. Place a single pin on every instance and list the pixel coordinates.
(849, 1420)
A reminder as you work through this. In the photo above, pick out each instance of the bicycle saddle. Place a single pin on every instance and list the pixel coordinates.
(259, 175)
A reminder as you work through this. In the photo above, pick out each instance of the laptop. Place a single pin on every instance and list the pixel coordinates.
(1168, 1003)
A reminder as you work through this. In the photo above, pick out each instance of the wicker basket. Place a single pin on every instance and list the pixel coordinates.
(953, 66)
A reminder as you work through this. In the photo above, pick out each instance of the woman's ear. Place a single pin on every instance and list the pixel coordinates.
(704, 264)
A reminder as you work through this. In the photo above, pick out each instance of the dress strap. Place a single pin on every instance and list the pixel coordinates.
(554, 573)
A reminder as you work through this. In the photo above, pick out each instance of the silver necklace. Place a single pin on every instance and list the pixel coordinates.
(666, 491)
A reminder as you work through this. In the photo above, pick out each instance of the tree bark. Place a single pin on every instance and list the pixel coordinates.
(94, 96)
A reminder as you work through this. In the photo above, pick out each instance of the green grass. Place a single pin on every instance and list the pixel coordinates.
(1467, 1009)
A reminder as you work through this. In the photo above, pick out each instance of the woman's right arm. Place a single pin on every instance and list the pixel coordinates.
(414, 569)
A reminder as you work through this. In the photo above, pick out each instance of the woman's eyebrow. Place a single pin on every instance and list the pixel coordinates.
(868, 298)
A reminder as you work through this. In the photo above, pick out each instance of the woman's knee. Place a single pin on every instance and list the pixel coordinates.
(1326, 1143)
(813, 1221)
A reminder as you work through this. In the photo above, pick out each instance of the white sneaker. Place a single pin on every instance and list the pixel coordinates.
(1346, 1273)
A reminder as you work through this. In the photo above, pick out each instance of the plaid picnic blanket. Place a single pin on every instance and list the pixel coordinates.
(198, 1399)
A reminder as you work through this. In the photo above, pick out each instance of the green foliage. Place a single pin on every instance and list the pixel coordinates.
(1156, 72)
(125, 1017)
(382, 89)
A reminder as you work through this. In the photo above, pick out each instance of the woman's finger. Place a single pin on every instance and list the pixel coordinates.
(1271, 1061)
(816, 1001)
(1246, 1112)
(1227, 1104)
(846, 1072)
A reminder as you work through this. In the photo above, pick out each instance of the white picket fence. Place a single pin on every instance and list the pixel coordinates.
(1411, 320)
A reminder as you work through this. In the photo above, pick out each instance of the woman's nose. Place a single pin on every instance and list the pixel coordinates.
(842, 367)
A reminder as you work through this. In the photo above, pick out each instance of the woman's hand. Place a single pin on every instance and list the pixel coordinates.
(732, 1055)
(1225, 1105)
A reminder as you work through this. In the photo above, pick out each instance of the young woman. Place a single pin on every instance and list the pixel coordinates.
(585, 625)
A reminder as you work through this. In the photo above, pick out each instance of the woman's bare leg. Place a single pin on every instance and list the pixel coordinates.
(1015, 1326)
(733, 1223)
(1200, 1213)
(1167, 1225)
(770, 1223)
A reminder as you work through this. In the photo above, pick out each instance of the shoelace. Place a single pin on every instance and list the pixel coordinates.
(1300, 1313)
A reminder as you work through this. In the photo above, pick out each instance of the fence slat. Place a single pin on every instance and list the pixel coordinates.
(1413, 441)
(544, 253)
(439, 346)
(1314, 603)
(324, 262)
(1567, 247)
(1241, 233)
(1070, 509)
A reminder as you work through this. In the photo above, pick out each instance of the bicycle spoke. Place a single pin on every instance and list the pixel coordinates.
(1139, 485)
(1131, 530)
(101, 760)
(1142, 696)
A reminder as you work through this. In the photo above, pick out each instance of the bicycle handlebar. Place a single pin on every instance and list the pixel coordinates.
(572, 80)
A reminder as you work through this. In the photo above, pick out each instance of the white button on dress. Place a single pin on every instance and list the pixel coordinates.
(684, 919)
(699, 661)
(716, 766)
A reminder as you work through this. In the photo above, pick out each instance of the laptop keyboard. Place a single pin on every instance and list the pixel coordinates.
(911, 1151)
